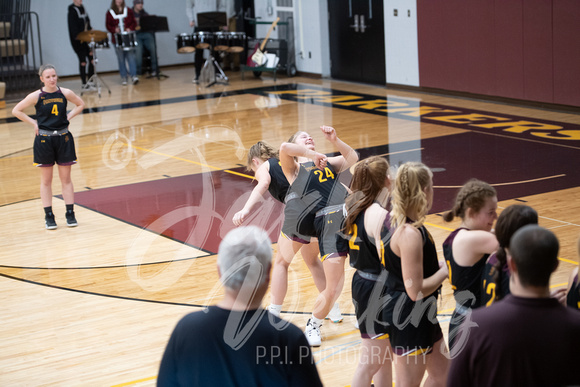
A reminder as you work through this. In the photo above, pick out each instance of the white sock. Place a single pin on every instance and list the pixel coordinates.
(275, 309)
(316, 321)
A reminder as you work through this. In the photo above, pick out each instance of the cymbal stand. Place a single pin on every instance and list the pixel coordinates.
(94, 79)
(208, 72)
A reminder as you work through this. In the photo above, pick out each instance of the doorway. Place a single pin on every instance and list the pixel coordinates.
(357, 40)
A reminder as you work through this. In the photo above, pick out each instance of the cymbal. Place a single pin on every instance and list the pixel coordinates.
(92, 35)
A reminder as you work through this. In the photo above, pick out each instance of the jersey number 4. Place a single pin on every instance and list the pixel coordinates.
(55, 109)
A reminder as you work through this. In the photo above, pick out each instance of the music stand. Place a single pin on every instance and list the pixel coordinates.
(211, 21)
(153, 24)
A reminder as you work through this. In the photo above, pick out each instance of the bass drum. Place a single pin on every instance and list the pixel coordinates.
(185, 44)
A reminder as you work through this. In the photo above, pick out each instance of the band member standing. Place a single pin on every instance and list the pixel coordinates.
(120, 19)
(78, 21)
(53, 142)
(145, 39)
(195, 7)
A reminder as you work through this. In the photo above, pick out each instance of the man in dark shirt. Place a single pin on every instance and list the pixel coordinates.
(145, 39)
(236, 342)
(528, 338)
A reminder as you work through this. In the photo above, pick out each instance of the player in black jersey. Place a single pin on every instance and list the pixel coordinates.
(53, 142)
(573, 297)
(263, 160)
(414, 280)
(466, 250)
(496, 275)
(365, 227)
(314, 208)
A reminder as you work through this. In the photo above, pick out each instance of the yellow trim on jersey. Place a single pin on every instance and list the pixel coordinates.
(419, 352)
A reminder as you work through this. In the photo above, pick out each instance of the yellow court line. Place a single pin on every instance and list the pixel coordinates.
(510, 183)
(568, 261)
(437, 226)
(135, 381)
(341, 334)
(191, 161)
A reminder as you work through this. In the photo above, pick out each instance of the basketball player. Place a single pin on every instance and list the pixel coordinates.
(496, 277)
(414, 281)
(467, 248)
(365, 227)
(53, 143)
(314, 208)
(263, 160)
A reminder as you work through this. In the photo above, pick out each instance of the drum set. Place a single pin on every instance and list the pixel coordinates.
(221, 42)
(226, 42)
(96, 40)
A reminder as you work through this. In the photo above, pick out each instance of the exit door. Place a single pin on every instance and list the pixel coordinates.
(357, 40)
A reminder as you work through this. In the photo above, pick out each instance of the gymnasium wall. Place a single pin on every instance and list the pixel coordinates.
(56, 47)
(524, 49)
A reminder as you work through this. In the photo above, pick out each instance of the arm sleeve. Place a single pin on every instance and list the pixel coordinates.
(89, 27)
(130, 22)
(168, 369)
(189, 5)
(459, 374)
(302, 368)
(110, 23)
(72, 31)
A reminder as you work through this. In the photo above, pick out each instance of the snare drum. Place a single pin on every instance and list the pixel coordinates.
(203, 39)
(185, 44)
(126, 40)
(237, 42)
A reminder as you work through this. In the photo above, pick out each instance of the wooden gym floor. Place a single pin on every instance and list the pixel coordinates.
(160, 175)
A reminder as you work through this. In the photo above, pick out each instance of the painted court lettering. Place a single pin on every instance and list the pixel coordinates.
(462, 119)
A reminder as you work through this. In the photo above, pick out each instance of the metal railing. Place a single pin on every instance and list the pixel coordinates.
(20, 51)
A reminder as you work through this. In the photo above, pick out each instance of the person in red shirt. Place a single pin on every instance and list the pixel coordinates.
(120, 22)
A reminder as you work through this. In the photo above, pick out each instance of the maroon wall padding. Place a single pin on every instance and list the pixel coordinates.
(566, 52)
(509, 51)
(538, 68)
(479, 42)
(523, 49)
(441, 43)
